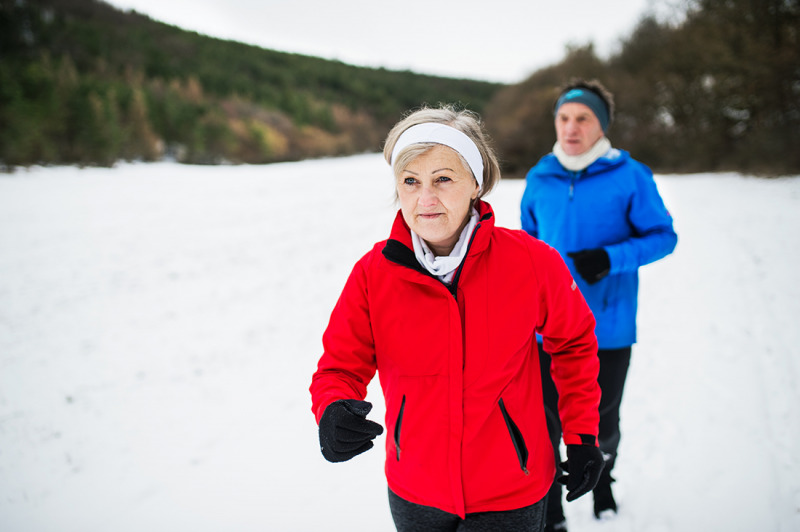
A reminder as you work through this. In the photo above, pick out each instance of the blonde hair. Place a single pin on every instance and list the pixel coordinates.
(465, 121)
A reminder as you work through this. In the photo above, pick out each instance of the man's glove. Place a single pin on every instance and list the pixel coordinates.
(583, 467)
(592, 264)
(345, 431)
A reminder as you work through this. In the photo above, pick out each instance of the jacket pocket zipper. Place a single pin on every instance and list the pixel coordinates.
(397, 425)
(516, 438)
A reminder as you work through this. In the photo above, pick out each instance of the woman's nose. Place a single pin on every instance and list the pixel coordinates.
(428, 196)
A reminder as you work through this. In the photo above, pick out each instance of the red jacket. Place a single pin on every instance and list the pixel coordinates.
(459, 366)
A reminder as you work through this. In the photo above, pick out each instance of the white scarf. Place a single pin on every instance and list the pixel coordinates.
(444, 268)
(576, 163)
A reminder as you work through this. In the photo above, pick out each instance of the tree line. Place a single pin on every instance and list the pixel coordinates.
(83, 82)
(714, 87)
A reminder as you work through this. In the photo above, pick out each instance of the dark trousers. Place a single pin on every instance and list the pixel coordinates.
(613, 372)
(411, 517)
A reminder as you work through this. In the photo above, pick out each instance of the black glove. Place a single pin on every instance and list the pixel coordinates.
(345, 431)
(584, 465)
(592, 264)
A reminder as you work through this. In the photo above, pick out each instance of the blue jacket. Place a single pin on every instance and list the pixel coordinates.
(613, 204)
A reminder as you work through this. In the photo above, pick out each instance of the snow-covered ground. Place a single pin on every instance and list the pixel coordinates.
(159, 325)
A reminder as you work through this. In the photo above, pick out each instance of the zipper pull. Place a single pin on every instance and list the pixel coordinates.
(572, 177)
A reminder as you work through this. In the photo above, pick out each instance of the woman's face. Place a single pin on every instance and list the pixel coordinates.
(435, 192)
(577, 128)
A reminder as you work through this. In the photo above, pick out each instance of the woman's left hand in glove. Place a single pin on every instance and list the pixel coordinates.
(583, 467)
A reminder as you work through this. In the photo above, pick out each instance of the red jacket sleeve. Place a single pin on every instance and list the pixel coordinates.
(348, 362)
(567, 329)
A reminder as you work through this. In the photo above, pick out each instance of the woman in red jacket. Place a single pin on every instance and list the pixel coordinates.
(447, 310)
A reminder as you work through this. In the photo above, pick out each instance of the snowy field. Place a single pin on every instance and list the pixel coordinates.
(159, 325)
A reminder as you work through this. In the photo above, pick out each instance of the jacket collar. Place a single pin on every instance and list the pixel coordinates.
(613, 158)
(400, 249)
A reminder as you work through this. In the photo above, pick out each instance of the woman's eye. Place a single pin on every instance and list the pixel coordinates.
(409, 181)
(443, 178)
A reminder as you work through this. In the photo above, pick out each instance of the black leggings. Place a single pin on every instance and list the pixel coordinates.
(411, 517)
(613, 372)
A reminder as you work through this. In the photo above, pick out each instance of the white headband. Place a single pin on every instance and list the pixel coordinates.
(436, 133)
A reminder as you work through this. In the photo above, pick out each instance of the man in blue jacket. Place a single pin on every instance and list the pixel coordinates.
(602, 211)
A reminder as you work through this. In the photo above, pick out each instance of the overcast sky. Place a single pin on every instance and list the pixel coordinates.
(501, 40)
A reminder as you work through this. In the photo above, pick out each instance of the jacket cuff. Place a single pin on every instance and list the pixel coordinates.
(614, 259)
(321, 410)
(580, 439)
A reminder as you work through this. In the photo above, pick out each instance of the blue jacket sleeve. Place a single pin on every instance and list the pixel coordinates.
(654, 236)
(526, 208)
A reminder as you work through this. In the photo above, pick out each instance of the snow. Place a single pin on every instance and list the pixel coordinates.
(159, 325)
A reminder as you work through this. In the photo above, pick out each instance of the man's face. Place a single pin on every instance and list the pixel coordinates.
(577, 128)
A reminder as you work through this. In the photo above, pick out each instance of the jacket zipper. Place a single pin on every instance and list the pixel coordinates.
(397, 425)
(516, 438)
(572, 177)
(453, 288)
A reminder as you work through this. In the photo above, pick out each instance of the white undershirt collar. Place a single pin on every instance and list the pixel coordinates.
(576, 163)
(444, 268)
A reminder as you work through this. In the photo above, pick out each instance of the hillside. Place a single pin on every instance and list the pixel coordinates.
(82, 82)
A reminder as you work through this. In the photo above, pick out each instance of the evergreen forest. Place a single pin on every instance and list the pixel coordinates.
(82, 82)
(713, 87)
